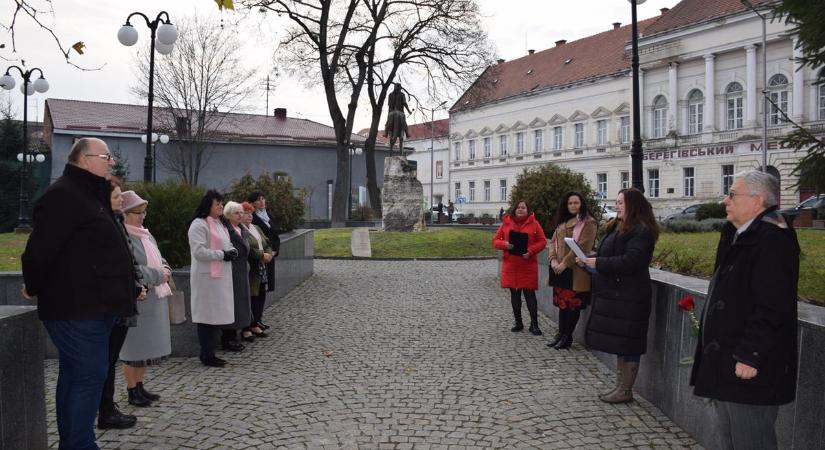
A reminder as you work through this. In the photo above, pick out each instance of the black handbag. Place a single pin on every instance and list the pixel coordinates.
(563, 280)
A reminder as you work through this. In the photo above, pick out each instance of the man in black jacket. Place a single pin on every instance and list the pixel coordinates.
(78, 265)
(747, 350)
(262, 219)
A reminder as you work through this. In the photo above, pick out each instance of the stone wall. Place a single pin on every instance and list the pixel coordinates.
(401, 197)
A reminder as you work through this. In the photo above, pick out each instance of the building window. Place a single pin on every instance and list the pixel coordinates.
(457, 189)
(778, 86)
(558, 138)
(601, 185)
(624, 129)
(653, 182)
(487, 147)
(821, 91)
(471, 187)
(472, 150)
(727, 178)
(689, 181)
(519, 143)
(502, 145)
(502, 188)
(696, 107)
(486, 190)
(735, 105)
(457, 151)
(625, 180)
(659, 117)
(538, 141)
(601, 132)
(578, 136)
(439, 169)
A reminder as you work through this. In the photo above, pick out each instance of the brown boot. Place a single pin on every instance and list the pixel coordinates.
(619, 362)
(624, 394)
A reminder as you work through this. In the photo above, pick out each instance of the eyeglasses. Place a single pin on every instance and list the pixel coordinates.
(106, 156)
(732, 194)
(141, 213)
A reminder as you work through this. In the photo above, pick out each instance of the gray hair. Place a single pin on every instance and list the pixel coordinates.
(78, 148)
(231, 207)
(761, 183)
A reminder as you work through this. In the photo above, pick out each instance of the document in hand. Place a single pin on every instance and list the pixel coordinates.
(519, 241)
(578, 251)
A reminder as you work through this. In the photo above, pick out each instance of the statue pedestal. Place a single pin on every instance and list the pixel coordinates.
(402, 196)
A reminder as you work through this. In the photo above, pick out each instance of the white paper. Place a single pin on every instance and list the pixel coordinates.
(575, 247)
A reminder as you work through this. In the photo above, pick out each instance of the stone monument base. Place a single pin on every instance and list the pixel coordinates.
(402, 196)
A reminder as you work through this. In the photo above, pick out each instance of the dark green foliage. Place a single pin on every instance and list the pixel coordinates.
(712, 210)
(542, 188)
(171, 206)
(284, 205)
(121, 167)
(11, 143)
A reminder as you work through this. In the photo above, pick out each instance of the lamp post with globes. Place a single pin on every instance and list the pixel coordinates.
(636, 154)
(27, 88)
(353, 150)
(164, 35)
(164, 139)
(432, 155)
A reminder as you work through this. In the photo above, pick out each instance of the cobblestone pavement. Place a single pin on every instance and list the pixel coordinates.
(395, 355)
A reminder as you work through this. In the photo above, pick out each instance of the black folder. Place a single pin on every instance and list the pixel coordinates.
(519, 241)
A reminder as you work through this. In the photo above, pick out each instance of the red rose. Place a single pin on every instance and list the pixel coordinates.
(686, 303)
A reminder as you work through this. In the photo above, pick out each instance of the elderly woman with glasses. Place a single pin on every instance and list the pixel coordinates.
(233, 215)
(149, 342)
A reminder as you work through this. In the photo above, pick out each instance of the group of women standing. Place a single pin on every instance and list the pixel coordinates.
(229, 274)
(615, 281)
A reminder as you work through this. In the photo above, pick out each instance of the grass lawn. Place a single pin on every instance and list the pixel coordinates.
(11, 246)
(433, 243)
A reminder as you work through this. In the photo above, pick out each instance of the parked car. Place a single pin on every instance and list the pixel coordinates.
(608, 212)
(812, 203)
(688, 213)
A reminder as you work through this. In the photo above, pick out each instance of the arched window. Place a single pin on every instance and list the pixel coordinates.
(778, 93)
(696, 105)
(735, 105)
(659, 116)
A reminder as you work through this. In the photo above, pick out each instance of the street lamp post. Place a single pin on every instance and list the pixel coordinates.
(764, 84)
(636, 147)
(166, 34)
(353, 150)
(27, 88)
(164, 139)
(432, 155)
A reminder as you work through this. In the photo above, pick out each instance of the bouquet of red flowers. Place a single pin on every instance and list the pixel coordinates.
(687, 305)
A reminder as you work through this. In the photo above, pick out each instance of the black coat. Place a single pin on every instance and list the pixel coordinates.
(271, 234)
(750, 316)
(77, 261)
(621, 293)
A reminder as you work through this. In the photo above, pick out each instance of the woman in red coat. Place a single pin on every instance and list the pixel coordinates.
(521, 239)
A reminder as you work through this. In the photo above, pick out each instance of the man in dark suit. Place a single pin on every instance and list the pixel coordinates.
(78, 264)
(263, 220)
(747, 348)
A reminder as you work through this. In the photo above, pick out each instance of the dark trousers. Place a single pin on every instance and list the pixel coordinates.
(747, 426)
(208, 339)
(258, 302)
(568, 320)
(530, 299)
(83, 353)
(229, 335)
(116, 340)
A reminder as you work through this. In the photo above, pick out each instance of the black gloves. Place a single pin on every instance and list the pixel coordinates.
(230, 255)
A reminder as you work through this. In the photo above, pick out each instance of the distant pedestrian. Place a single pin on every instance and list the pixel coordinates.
(450, 211)
(501, 214)
(521, 239)
(746, 353)
(440, 210)
(621, 289)
(571, 283)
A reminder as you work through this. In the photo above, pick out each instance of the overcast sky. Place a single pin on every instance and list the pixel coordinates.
(513, 27)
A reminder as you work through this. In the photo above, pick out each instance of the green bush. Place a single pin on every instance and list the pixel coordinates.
(692, 226)
(171, 205)
(542, 188)
(285, 207)
(711, 211)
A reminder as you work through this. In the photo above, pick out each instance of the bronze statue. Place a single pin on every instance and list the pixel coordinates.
(396, 126)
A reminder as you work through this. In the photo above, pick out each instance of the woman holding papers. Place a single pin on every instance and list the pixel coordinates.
(571, 283)
(621, 289)
(521, 238)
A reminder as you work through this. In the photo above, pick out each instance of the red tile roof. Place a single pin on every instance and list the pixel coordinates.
(689, 12)
(587, 58)
(121, 118)
(417, 131)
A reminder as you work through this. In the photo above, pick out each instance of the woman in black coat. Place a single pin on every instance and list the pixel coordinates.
(621, 289)
(233, 215)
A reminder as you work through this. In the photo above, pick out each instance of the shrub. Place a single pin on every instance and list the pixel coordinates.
(711, 211)
(543, 187)
(693, 226)
(285, 207)
(171, 205)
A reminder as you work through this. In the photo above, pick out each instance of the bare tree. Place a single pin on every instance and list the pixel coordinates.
(195, 86)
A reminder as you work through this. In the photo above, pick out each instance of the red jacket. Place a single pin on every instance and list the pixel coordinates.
(517, 272)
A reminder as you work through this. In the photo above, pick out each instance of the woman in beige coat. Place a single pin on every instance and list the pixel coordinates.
(571, 284)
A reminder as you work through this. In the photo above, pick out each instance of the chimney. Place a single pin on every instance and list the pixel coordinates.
(280, 113)
(561, 42)
(664, 10)
(616, 25)
(500, 60)
(531, 51)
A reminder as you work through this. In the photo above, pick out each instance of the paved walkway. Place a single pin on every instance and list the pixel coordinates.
(360, 243)
(396, 355)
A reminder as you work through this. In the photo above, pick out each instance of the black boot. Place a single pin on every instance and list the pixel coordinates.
(145, 393)
(515, 302)
(532, 306)
(111, 417)
(565, 342)
(534, 329)
(137, 399)
(560, 334)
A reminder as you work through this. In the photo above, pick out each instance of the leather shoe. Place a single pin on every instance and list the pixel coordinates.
(565, 342)
(517, 327)
(250, 338)
(213, 361)
(232, 346)
(118, 421)
(555, 341)
(145, 393)
(534, 329)
(263, 326)
(136, 398)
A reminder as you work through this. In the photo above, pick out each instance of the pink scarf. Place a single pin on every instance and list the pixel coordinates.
(153, 258)
(215, 267)
(577, 232)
